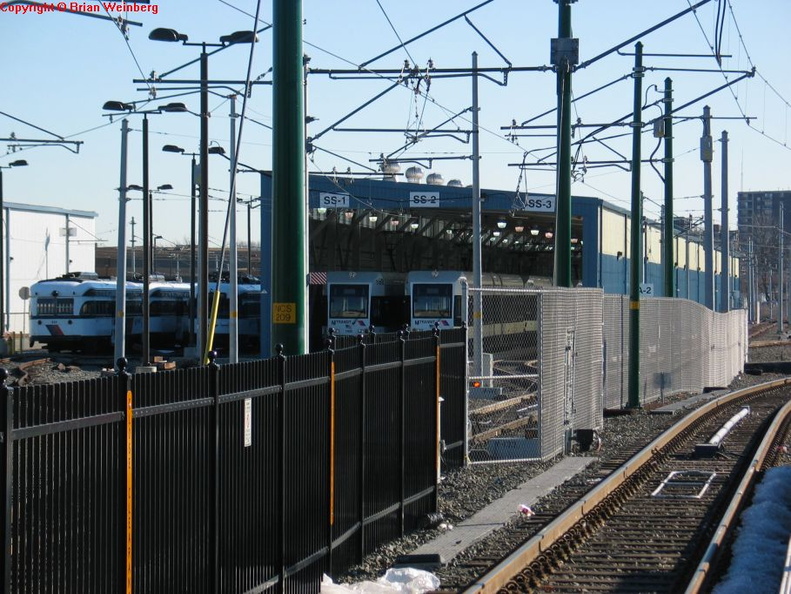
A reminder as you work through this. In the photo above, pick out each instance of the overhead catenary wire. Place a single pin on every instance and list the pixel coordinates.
(392, 26)
(232, 193)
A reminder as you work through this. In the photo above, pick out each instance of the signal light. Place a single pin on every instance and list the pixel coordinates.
(476, 384)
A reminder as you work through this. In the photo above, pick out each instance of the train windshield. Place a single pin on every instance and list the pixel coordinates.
(250, 305)
(348, 301)
(55, 307)
(432, 300)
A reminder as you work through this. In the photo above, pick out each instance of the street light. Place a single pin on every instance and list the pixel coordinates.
(154, 256)
(171, 36)
(120, 333)
(3, 279)
(213, 150)
(147, 257)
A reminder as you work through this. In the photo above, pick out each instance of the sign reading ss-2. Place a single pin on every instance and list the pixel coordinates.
(540, 204)
(424, 199)
(327, 200)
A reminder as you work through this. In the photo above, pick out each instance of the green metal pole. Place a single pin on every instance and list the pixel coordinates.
(289, 311)
(725, 274)
(563, 211)
(668, 160)
(636, 258)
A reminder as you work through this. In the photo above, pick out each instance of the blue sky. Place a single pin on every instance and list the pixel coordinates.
(59, 69)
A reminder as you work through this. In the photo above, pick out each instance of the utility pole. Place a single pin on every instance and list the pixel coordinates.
(564, 57)
(725, 240)
(266, 266)
(289, 279)
(68, 254)
(706, 155)
(119, 349)
(636, 229)
(147, 201)
(134, 263)
(202, 339)
(755, 306)
(780, 281)
(233, 295)
(477, 273)
(669, 258)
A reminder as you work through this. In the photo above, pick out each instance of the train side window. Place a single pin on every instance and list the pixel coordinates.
(134, 308)
(98, 309)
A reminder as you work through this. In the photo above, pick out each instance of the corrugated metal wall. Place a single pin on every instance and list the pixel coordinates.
(37, 249)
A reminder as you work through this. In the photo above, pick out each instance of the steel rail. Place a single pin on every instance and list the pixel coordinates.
(703, 574)
(553, 533)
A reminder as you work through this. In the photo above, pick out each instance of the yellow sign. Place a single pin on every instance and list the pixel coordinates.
(284, 313)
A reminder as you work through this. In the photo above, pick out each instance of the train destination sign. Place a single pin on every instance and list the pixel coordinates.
(424, 199)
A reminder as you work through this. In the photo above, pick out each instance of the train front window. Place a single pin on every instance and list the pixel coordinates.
(250, 306)
(348, 301)
(55, 307)
(432, 300)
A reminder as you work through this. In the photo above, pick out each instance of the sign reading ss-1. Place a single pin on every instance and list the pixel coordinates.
(327, 200)
(540, 203)
(424, 199)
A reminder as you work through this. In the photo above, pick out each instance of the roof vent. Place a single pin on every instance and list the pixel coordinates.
(435, 179)
(414, 175)
(390, 171)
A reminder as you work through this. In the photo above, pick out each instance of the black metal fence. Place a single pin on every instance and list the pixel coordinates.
(252, 477)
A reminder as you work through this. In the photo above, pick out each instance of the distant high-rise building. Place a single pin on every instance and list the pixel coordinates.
(761, 209)
(759, 225)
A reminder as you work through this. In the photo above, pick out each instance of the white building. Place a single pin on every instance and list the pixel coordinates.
(42, 242)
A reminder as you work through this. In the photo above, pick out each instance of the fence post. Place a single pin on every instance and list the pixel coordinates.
(466, 399)
(331, 453)
(125, 389)
(281, 359)
(438, 440)
(402, 336)
(361, 494)
(214, 474)
(7, 467)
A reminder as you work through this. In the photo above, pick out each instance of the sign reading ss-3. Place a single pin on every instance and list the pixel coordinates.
(540, 204)
(424, 199)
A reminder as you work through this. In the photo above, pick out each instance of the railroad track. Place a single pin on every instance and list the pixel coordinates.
(657, 523)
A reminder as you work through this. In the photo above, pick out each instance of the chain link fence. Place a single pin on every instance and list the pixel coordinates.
(684, 347)
(538, 378)
(552, 360)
